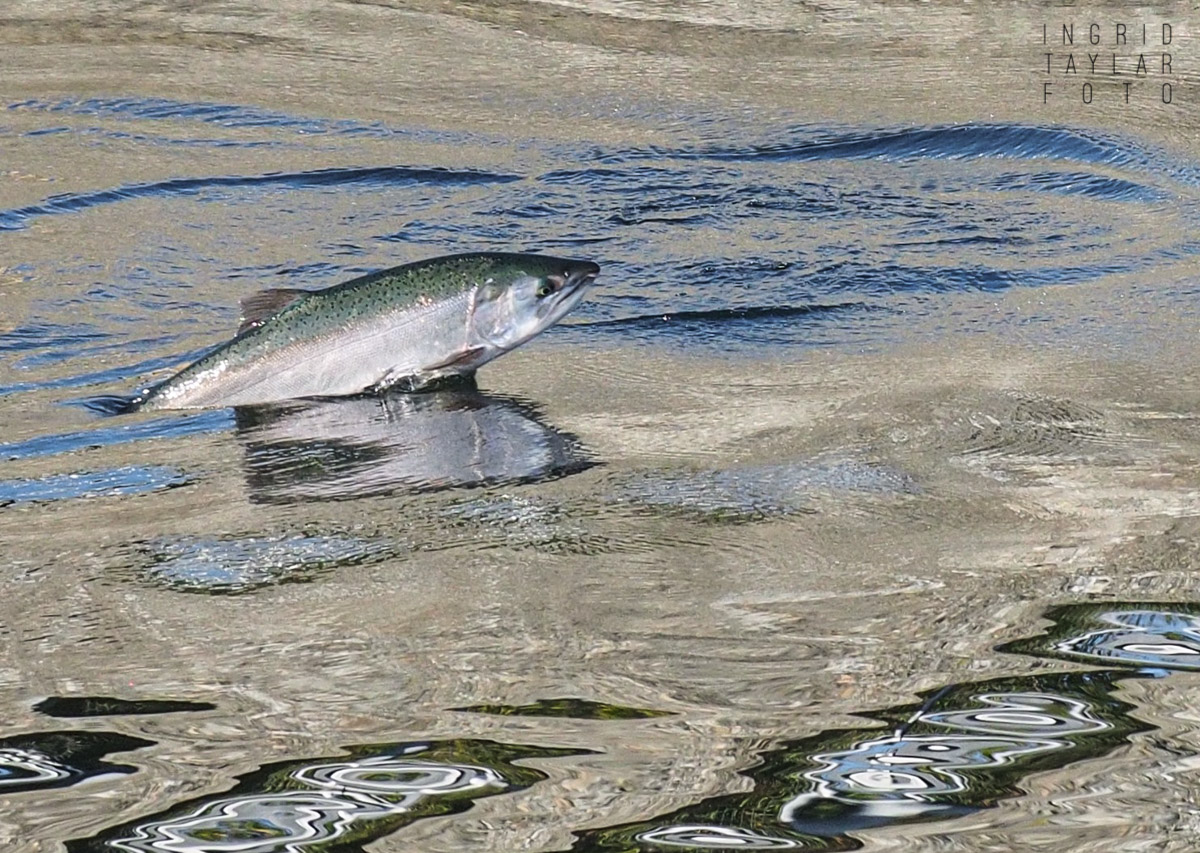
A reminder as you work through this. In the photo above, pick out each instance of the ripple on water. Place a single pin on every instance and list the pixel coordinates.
(229, 566)
(374, 176)
(832, 241)
(1137, 634)
(712, 837)
(335, 803)
(516, 521)
(962, 142)
(838, 223)
(130, 480)
(964, 748)
(757, 492)
(126, 432)
(231, 116)
(44, 760)
(569, 708)
(1044, 427)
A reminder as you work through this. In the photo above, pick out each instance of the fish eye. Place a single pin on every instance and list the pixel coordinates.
(550, 284)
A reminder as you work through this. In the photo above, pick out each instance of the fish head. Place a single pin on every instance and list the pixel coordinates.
(524, 294)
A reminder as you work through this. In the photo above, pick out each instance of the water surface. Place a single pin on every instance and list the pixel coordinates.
(856, 507)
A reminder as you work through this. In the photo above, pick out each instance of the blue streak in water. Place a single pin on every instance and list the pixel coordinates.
(1077, 183)
(18, 218)
(167, 140)
(49, 445)
(234, 116)
(38, 336)
(99, 376)
(952, 142)
(225, 115)
(955, 142)
(84, 484)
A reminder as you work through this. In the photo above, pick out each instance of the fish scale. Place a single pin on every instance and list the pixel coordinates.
(422, 282)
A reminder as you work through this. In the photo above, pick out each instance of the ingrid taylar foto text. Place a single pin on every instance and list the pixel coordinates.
(1108, 58)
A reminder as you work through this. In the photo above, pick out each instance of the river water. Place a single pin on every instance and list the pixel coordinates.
(857, 507)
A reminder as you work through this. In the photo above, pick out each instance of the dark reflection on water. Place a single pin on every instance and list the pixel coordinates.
(1141, 634)
(109, 706)
(575, 709)
(966, 747)
(18, 218)
(332, 804)
(960, 142)
(60, 759)
(338, 449)
(221, 115)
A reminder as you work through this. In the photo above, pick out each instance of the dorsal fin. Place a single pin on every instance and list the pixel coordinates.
(257, 308)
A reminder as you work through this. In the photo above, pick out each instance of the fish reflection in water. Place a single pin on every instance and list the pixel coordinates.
(963, 749)
(339, 796)
(337, 449)
(1136, 634)
(909, 775)
(60, 759)
(334, 804)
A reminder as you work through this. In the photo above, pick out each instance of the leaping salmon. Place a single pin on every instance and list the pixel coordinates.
(408, 327)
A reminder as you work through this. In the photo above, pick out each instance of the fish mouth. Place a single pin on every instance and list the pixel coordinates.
(578, 279)
(581, 276)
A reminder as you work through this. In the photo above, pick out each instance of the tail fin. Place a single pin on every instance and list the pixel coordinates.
(112, 404)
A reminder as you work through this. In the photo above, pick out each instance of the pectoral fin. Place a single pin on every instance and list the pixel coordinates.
(447, 373)
(418, 384)
(459, 359)
(259, 307)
